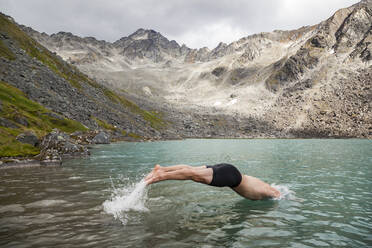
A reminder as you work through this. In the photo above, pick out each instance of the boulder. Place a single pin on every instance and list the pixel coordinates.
(57, 145)
(218, 71)
(28, 138)
(101, 138)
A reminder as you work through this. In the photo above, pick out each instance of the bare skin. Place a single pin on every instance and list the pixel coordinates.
(250, 187)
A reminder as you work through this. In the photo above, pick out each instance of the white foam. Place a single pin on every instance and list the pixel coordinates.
(285, 192)
(126, 199)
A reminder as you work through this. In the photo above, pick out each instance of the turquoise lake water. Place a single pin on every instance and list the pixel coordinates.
(99, 201)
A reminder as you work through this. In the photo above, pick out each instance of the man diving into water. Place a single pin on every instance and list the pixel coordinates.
(219, 175)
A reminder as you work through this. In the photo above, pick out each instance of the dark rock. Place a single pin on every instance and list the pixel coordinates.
(318, 41)
(7, 123)
(238, 74)
(28, 138)
(21, 120)
(218, 71)
(101, 138)
(292, 69)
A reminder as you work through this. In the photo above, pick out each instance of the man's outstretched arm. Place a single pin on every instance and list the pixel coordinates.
(179, 172)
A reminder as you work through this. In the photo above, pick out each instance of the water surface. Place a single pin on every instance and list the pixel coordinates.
(330, 206)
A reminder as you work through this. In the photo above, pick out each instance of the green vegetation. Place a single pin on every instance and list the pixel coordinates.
(135, 136)
(5, 52)
(15, 106)
(152, 117)
(104, 124)
(10, 147)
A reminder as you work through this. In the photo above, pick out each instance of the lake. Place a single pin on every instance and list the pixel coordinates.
(100, 200)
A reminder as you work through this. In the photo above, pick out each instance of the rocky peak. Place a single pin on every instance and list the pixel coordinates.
(65, 37)
(148, 44)
(355, 27)
(345, 36)
(184, 49)
(143, 34)
(69, 37)
(220, 50)
(146, 36)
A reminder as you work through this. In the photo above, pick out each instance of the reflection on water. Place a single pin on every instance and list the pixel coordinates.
(75, 205)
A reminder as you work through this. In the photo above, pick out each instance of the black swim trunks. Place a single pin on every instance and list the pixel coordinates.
(225, 175)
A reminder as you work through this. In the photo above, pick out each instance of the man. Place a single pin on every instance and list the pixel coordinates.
(219, 175)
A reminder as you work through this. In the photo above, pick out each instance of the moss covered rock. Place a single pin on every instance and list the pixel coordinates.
(28, 137)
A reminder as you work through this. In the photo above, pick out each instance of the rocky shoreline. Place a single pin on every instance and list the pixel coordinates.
(56, 146)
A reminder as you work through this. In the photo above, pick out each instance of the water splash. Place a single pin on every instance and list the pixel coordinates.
(126, 199)
(285, 192)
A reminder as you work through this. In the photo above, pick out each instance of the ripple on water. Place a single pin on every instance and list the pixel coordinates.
(65, 205)
(45, 203)
(262, 232)
(74, 178)
(12, 208)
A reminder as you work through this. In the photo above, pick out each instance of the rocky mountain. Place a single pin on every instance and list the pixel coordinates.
(311, 82)
(40, 91)
(50, 109)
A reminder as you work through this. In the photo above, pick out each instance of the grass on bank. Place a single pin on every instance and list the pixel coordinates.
(104, 124)
(10, 147)
(5, 52)
(16, 106)
(152, 118)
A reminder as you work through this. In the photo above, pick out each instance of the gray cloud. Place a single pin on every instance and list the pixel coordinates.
(196, 23)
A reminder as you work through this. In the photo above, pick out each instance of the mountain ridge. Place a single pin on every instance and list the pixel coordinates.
(249, 77)
(274, 84)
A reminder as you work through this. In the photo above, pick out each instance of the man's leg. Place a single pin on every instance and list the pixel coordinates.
(180, 172)
(255, 189)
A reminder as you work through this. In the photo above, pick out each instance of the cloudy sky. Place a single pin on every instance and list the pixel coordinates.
(196, 23)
